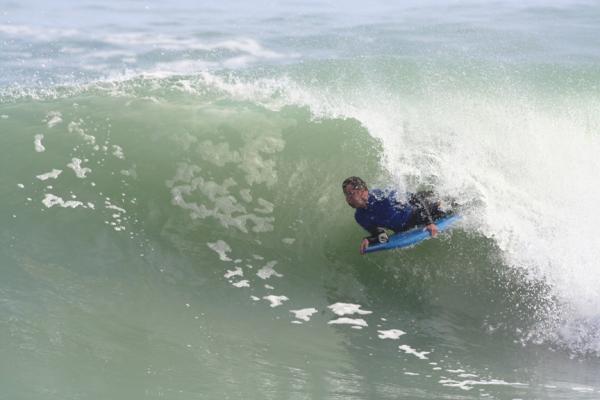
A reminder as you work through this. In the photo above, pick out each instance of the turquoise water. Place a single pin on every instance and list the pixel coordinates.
(173, 224)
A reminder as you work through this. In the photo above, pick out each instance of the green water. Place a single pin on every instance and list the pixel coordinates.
(172, 219)
(124, 302)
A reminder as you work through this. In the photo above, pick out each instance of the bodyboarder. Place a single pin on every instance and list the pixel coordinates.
(378, 210)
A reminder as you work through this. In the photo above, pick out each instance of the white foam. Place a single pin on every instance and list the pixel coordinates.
(110, 206)
(52, 174)
(409, 350)
(45, 34)
(242, 283)
(118, 152)
(304, 314)
(37, 142)
(236, 272)
(583, 389)
(275, 300)
(348, 309)
(267, 271)
(349, 321)
(129, 172)
(174, 43)
(218, 202)
(233, 53)
(469, 384)
(245, 195)
(244, 51)
(77, 127)
(288, 240)
(53, 118)
(51, 200)
(391, 334)
(221, 248)
(267, 207)
(252, 158)
(80, 171)
(20, 185)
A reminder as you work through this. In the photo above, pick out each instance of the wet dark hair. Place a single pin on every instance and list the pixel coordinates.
(356, 183)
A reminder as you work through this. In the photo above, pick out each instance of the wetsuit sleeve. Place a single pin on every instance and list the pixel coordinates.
(372, 229)
(379, 237)
(376, 232)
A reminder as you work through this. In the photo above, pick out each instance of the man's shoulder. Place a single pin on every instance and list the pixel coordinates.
(378, 195)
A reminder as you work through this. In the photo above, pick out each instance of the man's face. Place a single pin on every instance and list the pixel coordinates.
(356, 198)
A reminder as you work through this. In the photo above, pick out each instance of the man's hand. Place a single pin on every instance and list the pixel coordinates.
(363, 246)
(433, 230)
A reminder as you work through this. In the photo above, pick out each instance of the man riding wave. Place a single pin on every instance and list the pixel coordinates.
(378, 210)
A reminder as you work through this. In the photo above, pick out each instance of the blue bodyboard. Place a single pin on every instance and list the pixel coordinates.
(413, 236)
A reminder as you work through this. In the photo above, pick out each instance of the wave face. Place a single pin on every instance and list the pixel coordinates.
(174, 224)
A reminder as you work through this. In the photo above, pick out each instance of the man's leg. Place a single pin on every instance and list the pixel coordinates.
(425, 205)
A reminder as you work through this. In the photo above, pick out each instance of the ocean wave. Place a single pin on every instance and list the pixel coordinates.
(481, 156)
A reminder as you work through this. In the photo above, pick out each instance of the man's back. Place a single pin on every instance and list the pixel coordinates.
(384, 210)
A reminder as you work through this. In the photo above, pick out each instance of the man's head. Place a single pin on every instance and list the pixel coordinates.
(356, 192)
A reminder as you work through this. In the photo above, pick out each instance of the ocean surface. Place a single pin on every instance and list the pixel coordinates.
(172, 224)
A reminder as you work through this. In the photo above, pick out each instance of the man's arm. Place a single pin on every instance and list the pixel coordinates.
(423, 209)
(367, 219)
(378, 235)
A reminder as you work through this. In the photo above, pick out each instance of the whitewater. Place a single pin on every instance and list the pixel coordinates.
(173, 223)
